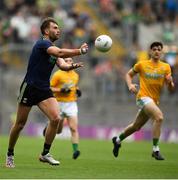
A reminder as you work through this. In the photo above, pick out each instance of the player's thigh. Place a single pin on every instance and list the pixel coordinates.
(153, 111)
(50, 108)
(141, 118)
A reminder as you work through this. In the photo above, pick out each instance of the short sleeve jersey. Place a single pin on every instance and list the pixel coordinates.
(152, 78)
(65, 79)
(40, 65)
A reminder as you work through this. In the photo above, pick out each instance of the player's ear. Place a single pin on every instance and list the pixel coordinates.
(46, 31)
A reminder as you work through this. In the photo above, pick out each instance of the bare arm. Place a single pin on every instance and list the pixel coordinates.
(55, 89)
(64, 90)
(64, 53)
(65, 66)
(129, 77)
(170, 83)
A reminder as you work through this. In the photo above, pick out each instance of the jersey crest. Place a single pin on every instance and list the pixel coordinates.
(52, 60)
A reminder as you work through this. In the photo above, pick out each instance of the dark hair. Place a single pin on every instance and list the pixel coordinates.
(156, 43)
(45, 24)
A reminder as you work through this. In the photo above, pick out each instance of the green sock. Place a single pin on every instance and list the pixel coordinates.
(122, 136)
(155, 141)
(75, 147)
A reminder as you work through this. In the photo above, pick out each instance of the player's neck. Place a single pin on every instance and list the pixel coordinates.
(154, 60)
(47, 38)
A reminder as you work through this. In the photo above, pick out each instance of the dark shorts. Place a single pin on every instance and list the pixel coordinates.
(30, 95)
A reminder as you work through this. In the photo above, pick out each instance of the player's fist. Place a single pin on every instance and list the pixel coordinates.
(84, 48)
(133, 88)
(65, 90)
(76, 65)
(79, 93)
(170, 83)
(169, 79)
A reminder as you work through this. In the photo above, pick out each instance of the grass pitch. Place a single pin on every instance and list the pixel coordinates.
(96, 161)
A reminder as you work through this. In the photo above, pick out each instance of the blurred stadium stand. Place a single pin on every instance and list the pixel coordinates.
(133, 25)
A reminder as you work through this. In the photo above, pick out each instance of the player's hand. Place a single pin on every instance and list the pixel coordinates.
(133, 88)
(65, 90)
(76, 65)
(79, 93)
(84, 48)
(169, 79)
(170, 83)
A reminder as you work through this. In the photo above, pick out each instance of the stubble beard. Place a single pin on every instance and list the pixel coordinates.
(53, 38)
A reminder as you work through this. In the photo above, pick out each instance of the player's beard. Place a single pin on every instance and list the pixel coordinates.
(53, 37)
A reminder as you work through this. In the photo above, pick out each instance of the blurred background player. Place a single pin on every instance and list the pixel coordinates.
(35, 88)
(64, 85)
(153, 73)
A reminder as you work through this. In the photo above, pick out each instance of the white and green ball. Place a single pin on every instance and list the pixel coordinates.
(103, 43)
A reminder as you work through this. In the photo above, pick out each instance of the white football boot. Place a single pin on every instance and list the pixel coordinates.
(48, 159)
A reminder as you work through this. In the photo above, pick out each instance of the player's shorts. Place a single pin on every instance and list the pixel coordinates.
(141, 102)
(30, 95)
(68, 109)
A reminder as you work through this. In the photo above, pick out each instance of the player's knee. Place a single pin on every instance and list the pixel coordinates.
(73, 130)
(159, 119)
(55, 120)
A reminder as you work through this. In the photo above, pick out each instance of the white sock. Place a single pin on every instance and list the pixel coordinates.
(118, 140)
(155, 148)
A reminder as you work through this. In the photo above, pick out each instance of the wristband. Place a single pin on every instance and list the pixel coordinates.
(83, 50)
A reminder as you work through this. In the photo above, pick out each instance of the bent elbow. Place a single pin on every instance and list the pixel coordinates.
(61, 54)
(127, 76)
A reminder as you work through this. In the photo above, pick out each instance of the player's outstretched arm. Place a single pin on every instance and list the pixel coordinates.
(64, 53)
(65, 66)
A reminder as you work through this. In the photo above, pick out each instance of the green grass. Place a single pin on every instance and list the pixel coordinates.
(96, 161)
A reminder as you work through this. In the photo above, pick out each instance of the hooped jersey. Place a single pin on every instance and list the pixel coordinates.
(65, 79)
(152, 77)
